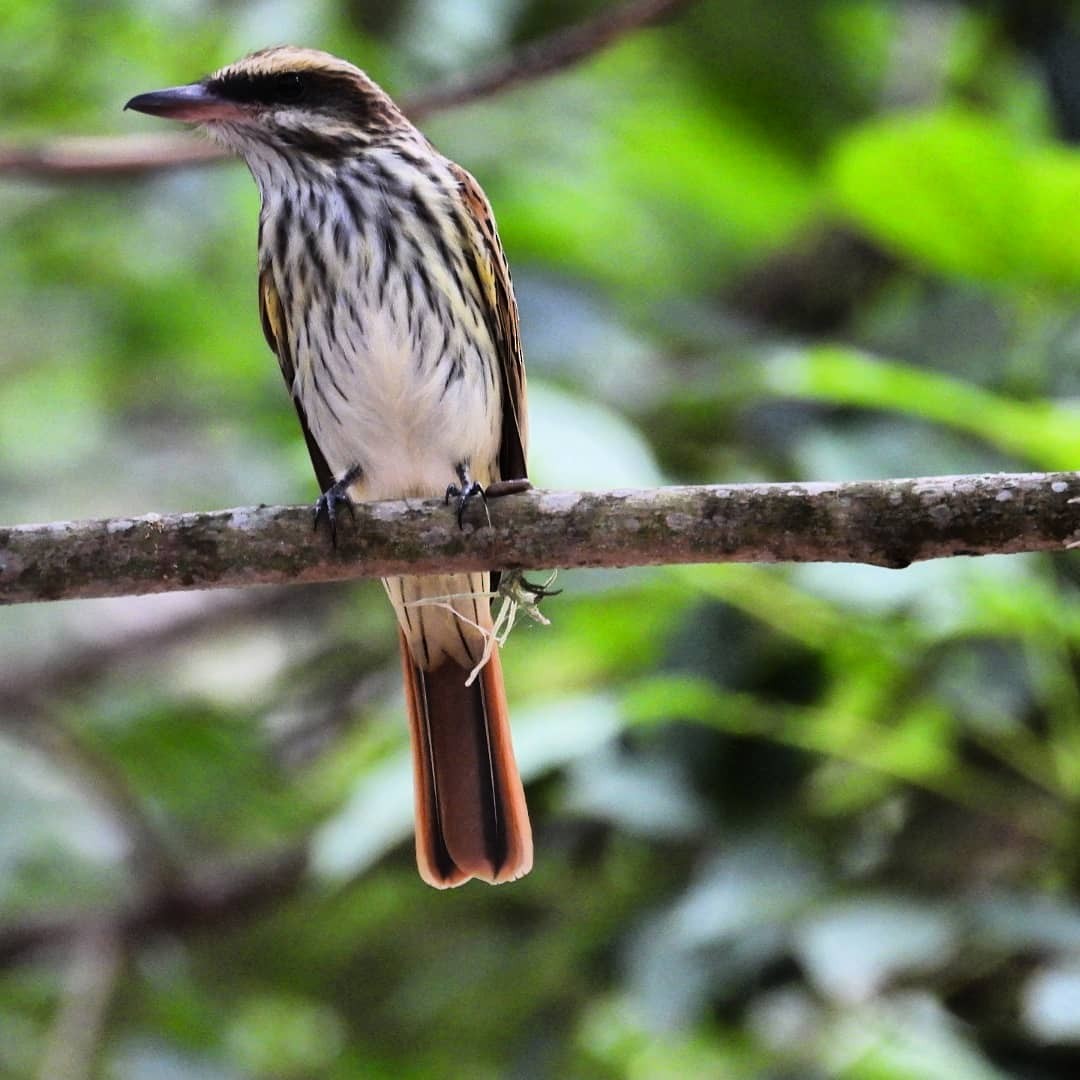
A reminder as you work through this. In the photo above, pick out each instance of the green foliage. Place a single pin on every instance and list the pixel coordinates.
(1041, 433)
(805, 821)
(965, 195)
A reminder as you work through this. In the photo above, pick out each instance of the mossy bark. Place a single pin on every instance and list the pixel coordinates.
(885, 523)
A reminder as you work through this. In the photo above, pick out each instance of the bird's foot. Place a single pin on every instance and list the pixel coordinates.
(332, 499)
(520, 597)
(537, 591)
(465, 493)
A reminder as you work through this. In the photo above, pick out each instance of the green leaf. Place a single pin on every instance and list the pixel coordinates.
(1040, 432)
(965, 196)
(285, 1036)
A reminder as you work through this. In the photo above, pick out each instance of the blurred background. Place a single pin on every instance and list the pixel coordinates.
(791, 822)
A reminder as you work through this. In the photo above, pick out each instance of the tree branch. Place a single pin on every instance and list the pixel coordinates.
(32, 686)
(884, 522)
(106, 785)
(59, 158)
(210, 898)
(538, 59)
(90, 157)
(73, 1046)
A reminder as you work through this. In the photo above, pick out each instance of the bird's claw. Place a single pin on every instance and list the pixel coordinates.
(327, 504)
(464, 495)
(540, 592)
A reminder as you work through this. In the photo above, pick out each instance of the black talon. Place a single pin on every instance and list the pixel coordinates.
(464, 496)
(539, 591)
(337, 494)
(468, 491)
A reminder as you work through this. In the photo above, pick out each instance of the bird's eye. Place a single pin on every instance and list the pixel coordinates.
(291, 88)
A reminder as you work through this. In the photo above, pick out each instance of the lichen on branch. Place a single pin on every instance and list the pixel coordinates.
(882, 522)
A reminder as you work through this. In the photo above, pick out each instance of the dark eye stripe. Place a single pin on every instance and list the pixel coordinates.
(285, 88)
(292, 88)
(326, 93)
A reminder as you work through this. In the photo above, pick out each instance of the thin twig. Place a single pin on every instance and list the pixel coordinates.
(88, 157)
(205, 901)
(538, 59)
(108, 156)
(74, 1043)
(31, 686)
(887, 523)
(106, 785)
(29, 696)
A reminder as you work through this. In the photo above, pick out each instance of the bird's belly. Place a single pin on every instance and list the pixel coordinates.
(400, 399)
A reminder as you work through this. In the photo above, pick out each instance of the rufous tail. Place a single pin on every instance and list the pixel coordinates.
(471, 819)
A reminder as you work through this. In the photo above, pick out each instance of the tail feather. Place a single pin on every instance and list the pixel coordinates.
(471, 819)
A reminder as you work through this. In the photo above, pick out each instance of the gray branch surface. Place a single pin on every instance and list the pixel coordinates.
(887, 523)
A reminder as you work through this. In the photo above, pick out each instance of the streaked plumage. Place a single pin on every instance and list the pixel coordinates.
(385, 294)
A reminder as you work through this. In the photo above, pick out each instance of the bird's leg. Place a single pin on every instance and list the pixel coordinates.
(468, 490)
(337, 494)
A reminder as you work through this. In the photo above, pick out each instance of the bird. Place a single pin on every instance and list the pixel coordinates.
(386, 296)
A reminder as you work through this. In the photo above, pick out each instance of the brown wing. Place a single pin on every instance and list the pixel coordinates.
(273, 323)
(493, 275)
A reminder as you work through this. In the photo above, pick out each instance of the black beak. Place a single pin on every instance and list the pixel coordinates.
(194, 103)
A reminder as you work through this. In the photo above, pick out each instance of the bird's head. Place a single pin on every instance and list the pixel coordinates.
(290, 100)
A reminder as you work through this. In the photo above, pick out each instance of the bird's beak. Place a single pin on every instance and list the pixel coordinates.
(193, 103)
